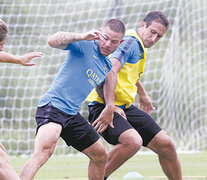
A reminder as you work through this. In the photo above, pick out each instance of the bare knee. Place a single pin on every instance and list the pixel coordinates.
(162, 144)
(97, 153)
(45, 142)
(168, 147)
(131, 139)
(100, 157)
(42, 156)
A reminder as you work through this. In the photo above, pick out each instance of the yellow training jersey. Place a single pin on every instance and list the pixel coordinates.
(132, 55)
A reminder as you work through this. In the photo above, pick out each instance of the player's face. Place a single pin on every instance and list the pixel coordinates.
(2, 44)
(151, 34)
(109, 42)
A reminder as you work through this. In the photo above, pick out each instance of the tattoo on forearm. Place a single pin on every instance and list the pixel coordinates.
(63, 40)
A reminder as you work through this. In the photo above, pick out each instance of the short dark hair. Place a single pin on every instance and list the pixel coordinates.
(3, 30)
(116, 25)
(157, 16)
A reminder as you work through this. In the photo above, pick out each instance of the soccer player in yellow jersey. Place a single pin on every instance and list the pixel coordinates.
(6, 170)
(133, 127)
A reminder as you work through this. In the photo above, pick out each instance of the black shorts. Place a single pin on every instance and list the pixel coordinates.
(137, 119)
(76, 131)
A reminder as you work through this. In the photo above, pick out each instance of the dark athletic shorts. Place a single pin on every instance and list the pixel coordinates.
(76, 131)
(137, 119)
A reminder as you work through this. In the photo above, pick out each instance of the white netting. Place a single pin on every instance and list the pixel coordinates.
(175, 76)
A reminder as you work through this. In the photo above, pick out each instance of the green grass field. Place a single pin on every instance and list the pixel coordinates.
(194, 167)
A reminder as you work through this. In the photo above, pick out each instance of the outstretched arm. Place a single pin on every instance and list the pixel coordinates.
(144, 100)
(106, 116)
(60, 40)
(23, 60)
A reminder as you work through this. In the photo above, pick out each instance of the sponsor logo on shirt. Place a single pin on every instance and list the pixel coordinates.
(93, 78)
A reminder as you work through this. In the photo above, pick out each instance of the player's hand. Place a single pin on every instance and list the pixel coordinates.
(92, 35)
(146, 104)
(120, 111)
(2, 147)
(24, 60)
(105, 119)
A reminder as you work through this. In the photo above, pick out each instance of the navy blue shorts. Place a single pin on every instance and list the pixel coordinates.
(76, 131)
(137, 119)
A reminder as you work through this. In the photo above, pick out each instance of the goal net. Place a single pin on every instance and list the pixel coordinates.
(175, 76)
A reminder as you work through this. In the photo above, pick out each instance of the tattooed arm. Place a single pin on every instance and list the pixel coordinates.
(61, 40)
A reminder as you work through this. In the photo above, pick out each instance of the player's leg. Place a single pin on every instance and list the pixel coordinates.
(45, 141)
(82, 136)
(129, 143)
(7, 172)
(157, 140)
(98, 156)
(164, 146)
(125, 139)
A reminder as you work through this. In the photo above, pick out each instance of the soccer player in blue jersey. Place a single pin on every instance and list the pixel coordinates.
(123, 81)
(85, 67)
(7, 172)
